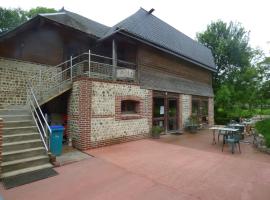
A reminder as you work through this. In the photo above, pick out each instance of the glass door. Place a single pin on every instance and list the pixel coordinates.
(166, 111)
(159, 112)
(172, 118)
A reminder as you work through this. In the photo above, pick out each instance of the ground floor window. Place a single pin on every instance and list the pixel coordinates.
(129, 107)
(200, 109)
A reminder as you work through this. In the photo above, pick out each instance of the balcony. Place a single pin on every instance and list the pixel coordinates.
(99, 67)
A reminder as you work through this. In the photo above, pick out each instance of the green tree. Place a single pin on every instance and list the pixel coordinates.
(238, 81)
(35, 11)
(229, 43)
(11, 18)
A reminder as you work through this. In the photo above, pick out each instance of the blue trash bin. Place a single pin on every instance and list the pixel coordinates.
(56, 140)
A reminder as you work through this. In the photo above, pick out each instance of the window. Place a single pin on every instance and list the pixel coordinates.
(200, 109)
(204, 107)
(195, 107)
(129, 107)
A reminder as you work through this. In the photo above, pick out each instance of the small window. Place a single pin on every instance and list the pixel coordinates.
(129, 107)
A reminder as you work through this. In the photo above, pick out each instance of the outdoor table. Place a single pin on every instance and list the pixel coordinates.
(237, 125)
(220, 129)
(241, 127)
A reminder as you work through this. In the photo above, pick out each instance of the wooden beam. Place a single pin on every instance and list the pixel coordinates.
(114, 57)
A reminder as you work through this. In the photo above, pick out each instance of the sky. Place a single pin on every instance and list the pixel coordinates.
(189, 16)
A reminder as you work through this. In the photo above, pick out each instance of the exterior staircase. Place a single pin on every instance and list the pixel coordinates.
(25, 145)
(23, 150)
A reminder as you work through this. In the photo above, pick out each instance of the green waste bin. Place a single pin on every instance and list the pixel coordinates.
(56, 140)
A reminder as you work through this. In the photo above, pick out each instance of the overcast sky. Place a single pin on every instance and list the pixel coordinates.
(189, 16)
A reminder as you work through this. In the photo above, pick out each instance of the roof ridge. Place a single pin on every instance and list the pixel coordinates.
(172, 26)
(85, 18)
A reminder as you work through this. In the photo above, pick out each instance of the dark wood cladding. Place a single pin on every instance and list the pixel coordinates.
(45, 42)
(153, 60)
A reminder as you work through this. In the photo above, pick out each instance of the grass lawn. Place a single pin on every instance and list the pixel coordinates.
(263, 112)
(263, 127)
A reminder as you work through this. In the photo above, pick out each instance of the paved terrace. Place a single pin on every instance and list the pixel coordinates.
(173, 167)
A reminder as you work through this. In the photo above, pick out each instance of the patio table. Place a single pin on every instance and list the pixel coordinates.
(220, 129)
(237, 125)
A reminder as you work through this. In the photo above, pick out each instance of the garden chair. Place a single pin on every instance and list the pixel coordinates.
(232, 139)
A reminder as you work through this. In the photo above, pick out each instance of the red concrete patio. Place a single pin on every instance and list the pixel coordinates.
(174, 167)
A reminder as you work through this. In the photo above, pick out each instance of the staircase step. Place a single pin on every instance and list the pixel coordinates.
(10, 124)
(14, 146)
(10, 118)
(20, 137)
(25, 153)
(25, 170)
(14, 111)
(24, 163)
(18, 130)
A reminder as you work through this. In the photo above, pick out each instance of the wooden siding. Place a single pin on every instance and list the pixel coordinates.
(158, 61)
(45, 42)
(177, 75)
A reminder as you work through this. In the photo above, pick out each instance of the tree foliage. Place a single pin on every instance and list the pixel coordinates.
(241, 78)
(35, 11)
(230, 47)
(11, 18)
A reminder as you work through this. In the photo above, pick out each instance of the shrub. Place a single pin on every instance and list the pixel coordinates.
(263, 127)
(156, 130)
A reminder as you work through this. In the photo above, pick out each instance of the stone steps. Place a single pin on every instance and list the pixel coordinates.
(20, 137)
(11, 118)
(18, 130)
(26, 170)
(13, 146)
(24, 163)
(14, 124)
(22, 148)
(24, 153)
(22, 111)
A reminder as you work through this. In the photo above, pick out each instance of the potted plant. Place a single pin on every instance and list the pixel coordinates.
(156, 130)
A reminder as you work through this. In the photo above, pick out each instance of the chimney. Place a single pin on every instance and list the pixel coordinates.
(150, 11)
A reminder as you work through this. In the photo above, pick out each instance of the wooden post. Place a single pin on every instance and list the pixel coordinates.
(71, 68)
(114, 57)
(89, 62)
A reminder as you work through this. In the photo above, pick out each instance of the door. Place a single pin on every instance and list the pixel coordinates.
(165, 111)
(159, 112)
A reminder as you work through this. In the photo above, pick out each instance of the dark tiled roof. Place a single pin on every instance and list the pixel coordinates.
(78, 22)
(156, 31)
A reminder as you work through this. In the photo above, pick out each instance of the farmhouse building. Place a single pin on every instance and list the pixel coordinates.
(104, 84)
